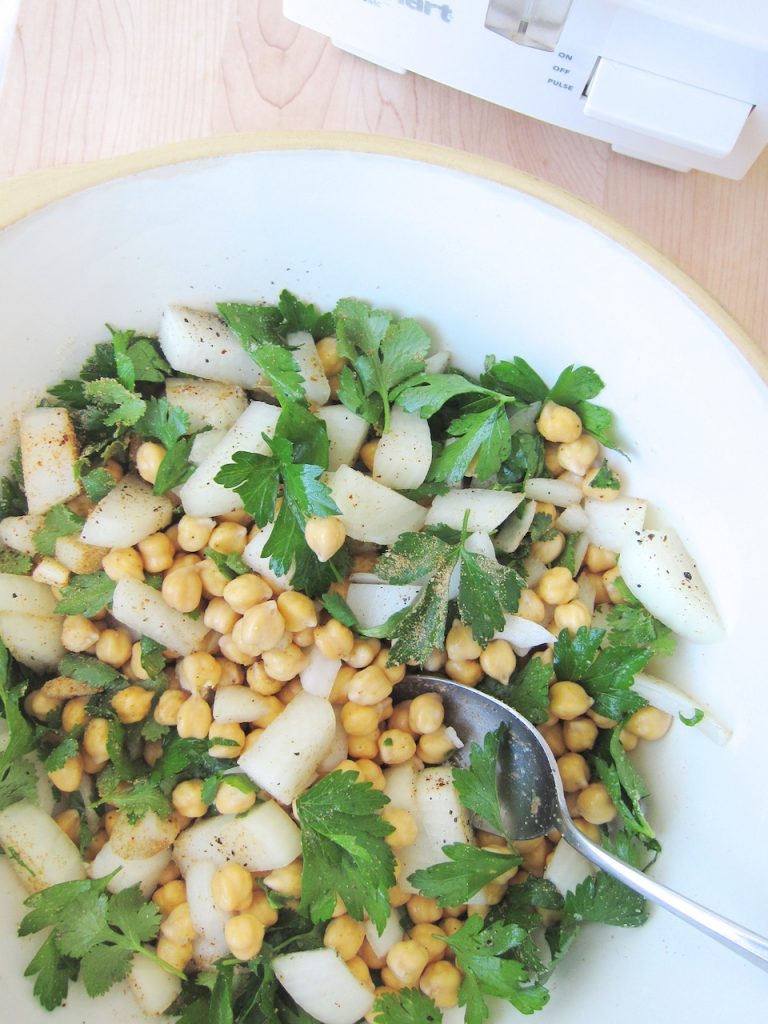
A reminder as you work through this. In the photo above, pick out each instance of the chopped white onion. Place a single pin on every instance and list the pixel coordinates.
(510, 536)
(320, 673)
(322, 985)
(559, 492)
(572, 519)
(304, 351)
(671, 699)
(487, 509)
(523, 634)
(373, 603)
(613, 524)
(567, 868)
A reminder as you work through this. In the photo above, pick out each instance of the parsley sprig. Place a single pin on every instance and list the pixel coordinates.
(408, 1006)
(607, 675)
(467, 870)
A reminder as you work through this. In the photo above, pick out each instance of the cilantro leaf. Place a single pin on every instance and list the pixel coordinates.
(53, 971)
(608, 676)
(300, 316)
(479, 950)
(383, 352)
(527, 691)
(467, 870)
(124, 368)
(59, 521)
(606, 478)
(86, 595)
(61, 754)
(602, 899)
(103, 966)
(117, 405)
(477, 785)
(15, 563)
(408, 1006)
(97, 483)
(344, 849)
(152, 660)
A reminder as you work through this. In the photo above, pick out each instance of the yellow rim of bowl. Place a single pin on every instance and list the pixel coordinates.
(24, 195)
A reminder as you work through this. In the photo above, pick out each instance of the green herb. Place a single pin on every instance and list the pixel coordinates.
(602, 899)
(52, 972)
(86, 595)
(605, 478)
(102, 932)
(525, 460)
(408, 1006)
(117, 406)
(527, 690)
(20, 733)
(383, 353)
(259, 329)
(152, 659)
(567, 556)
(15, 563)
(477, 785)
(12, 499)
(607, 676)
(486, 591)
(97, 483)
(631, 625)
(694, 719)
(60, 754)
(18, 783)
(300, 316)
(624, 784)
(168, 424)
(229, 565)
(467, 870)
(480, 950)
(236, 780)
(87, 669)
(59, 521)
(344, 849)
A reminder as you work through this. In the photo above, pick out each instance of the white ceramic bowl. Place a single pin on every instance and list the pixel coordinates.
(504, 266)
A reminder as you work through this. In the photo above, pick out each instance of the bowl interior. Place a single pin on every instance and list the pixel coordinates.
(487, 269)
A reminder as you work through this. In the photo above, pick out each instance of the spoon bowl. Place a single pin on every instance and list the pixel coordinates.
(533, 803)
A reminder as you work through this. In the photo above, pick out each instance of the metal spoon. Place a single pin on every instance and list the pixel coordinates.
(533, 802)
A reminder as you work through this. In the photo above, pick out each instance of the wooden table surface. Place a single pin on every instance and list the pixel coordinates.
(88, 79)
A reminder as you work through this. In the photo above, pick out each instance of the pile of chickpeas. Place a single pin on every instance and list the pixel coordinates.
(261, 639)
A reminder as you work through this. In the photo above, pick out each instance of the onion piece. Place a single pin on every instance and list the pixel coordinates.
(23, 594)
(400, 787)
(659, 571)
(204, 444)
(671, 699)
(155, 988)
(144, 872)
(393, 932)
(45, 855)
(238, 704)
(487, 509)
(511, 535)
(373, 603)
(320, 982)
(437, 362)
(264, 838)
(34, 640)
(442, 820)
(559, 492)
(370, 511)
(567, 868)
(613, 524)
(49, 454)
(478, 543)
(143, 839)
(523, 421)
(404, 453)
(320, 673)
(253, 558)
(138, 606)
(17, 532)
(523, 634)
(127, 514)
(207, 403)
(304, 351)
(346, 433)
(207, 919)
(198, 342)
(573, 519)
(339, 749)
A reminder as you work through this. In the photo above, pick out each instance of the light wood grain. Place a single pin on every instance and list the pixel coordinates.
(96, 78)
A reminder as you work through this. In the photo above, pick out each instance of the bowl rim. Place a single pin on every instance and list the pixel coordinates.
(28, 193)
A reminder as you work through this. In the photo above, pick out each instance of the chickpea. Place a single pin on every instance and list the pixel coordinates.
(548, 550)
(369, 771)
(135, 668)
(73, 714)
(260, 682)
(114, 647)
(232, 888)
(369, 686)
(601, 721)
(572, 616)
(550, 459)
(599, 559)
(557, 586)
(423, 910)
(187, 798)
(261, 628)
(558, 423)
(534, 853)
(194, 532)
(430, 936)
(325, 536)
(369, 958)
(440, 982)
(271, 709)
(69, 776)
(178, 926)
(498, 660)
(406, 961)
(553, 736)
(531, 606)
(175, 954)
(397, 898)
(283, 664)
(368, 453)
(359, 969)
(243, 592)
(609, 580)
(228, 538)
(304, 638)
(434, 747)
(595, 804)
(460, 645)
(218, 615)
(574, 772)
(396, 746)
(435, 661)
(364, 652)
(404, 825)
(340, 690)
(569, 700)
(230, 800)
(233, 652)
(244, 934)
(597, 584)
(152, 751)
(468, 673)
(194, 718)
(262, 909)
(169, 896)
(287, 880)
(334, 640)
(226, 731)
(169, 873)
(187, 561)
(298, 611)
(649, 723)
(156, 552)
(78, 633)
(328, 354)
(345, 935)
(182, 589)
(366, 747)
(123, 564)
(69, 823)
(168, 706)
(598, 493)
(212, 578)
(590, 831)
(628, 739)
(425, 713)
(132, 704)
(149, 455)
(95, 740)
(577, 456)
(359, 719)
(199, 672)
(579, 734)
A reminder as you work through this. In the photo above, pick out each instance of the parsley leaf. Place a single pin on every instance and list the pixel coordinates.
(606, 676)
(575, 384)
(52, 972)
(626, 787)
(514, 377)
(13, 501)
(527, 690)
(87, 669)
(384, 352)
(486, 591)
(15, 563)
(259, 331)
(152, 660)
(602, 899)
(467, 870)
(344, 849)
(97, 483)
(229, 565)
(86, 595)
(408, 1006)
(631, 625)
(18, 783)
(606, 478)
(480, 950)
(59, 521)
(477, 785)
(61, 754)
(168, 424)
(20, 733)
(116, 405)
(694, 719)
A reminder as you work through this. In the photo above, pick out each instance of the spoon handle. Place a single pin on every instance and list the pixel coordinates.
(746, 943)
